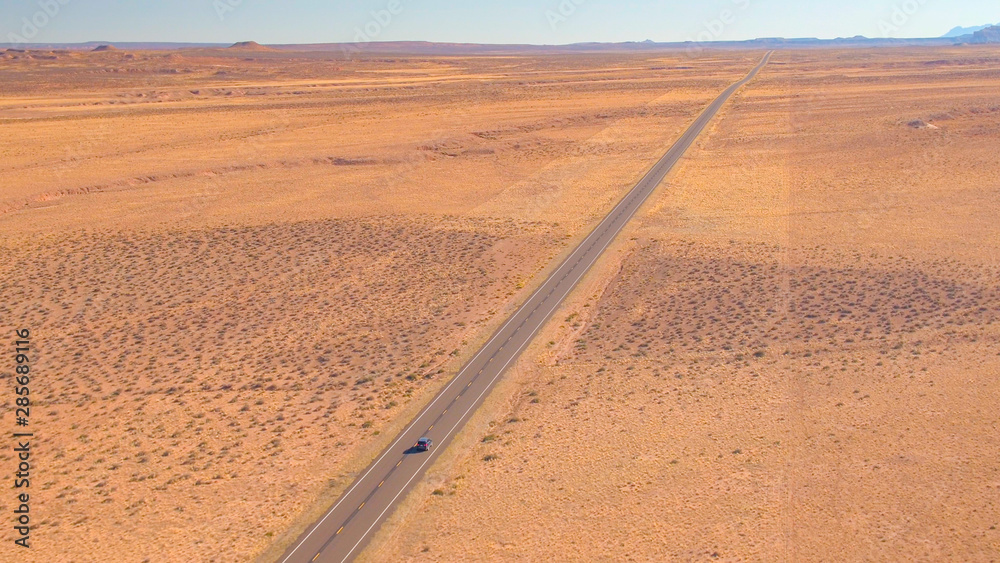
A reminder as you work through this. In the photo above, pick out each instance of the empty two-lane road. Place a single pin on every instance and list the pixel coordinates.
(343, 530)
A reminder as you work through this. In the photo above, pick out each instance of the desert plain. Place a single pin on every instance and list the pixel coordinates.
(244, 270)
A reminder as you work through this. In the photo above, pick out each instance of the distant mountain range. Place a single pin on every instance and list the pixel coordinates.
(957, 36)
(123, 45)
(960, 31)
(986, 35)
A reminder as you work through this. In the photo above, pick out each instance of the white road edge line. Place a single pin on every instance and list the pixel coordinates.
(488, 387)
(443, 391)
(729, 91)
(532, 335)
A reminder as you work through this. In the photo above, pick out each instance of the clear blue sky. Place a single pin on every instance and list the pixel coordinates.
(483, 21)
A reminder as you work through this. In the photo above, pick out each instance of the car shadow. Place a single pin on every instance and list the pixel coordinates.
(414, 450)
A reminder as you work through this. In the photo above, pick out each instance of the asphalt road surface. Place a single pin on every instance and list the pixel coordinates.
(343, 531)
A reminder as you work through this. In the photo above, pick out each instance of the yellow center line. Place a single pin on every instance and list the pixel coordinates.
(315, 557)
(340, 530)
(432, 427)
(445, 411)
(382, 483)
(398, 462)
(362, 506)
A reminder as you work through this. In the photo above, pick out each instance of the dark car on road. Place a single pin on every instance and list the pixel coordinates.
(424, 444)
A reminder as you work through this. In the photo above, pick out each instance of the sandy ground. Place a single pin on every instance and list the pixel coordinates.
(791, 355)
(243, 271)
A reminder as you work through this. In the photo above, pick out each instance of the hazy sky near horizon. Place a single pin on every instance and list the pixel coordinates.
(482, 21)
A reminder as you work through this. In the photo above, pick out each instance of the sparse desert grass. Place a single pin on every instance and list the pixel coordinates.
(748, 302)
(187, 371)
(791, 355)
(317, 305)
(241, 270)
